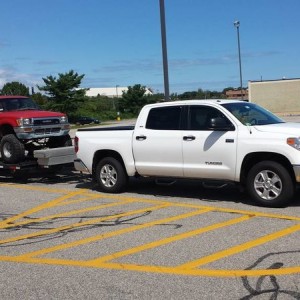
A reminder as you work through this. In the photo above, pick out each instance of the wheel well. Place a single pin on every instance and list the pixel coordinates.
(6, 129)
(106, 153)
(253, 158)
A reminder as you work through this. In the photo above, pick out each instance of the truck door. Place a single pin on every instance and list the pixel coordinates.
(157, 145)
(207, 153)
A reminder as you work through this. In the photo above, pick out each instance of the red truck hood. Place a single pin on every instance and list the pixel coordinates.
(33, 114)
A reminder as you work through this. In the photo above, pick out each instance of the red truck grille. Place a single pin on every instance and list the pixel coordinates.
(48, 121)
(44, 131)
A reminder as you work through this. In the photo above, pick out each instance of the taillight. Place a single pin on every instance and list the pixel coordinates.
(76, 144)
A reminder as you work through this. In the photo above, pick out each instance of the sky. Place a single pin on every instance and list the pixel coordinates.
(118, 42)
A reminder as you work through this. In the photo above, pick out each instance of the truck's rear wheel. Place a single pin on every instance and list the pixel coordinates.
(111, 175)
(12, 150)
(270, 184)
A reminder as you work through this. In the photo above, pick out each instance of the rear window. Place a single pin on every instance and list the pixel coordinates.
(164, 118)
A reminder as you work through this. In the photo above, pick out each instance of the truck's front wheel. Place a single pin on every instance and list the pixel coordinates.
(270, 184)
(111, 175)
(12, 150)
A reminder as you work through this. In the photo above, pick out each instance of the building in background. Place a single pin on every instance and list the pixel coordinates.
(237, 94)
(279, 96)
(111, 92)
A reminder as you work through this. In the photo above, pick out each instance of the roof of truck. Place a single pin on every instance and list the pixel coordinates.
(197, 101)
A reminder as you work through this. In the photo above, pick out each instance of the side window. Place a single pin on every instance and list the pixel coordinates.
(164, 118)
(200, 116)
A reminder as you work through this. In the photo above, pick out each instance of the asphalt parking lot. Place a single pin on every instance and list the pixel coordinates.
(61, 238)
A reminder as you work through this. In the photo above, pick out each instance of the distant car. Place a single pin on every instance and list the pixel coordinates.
(87, 120)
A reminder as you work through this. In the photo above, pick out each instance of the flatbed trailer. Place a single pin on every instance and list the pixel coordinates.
(42, 159)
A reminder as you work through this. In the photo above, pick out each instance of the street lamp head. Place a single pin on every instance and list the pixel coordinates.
(236, 24)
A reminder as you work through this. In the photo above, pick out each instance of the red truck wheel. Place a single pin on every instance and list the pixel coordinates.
(12, 150)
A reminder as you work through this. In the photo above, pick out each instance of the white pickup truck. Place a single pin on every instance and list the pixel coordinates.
(222, 140)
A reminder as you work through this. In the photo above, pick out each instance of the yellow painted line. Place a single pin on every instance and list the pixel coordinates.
(66, 214)
(189, 268)
(177, 271)
(81, 199)
(238, 211)
(168, 240)
(239, 248)
(109, 196)
(80, 224)
(38, 208)
(156, 269)
(112, 234)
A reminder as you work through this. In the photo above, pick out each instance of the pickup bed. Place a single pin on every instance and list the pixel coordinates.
(209, 140)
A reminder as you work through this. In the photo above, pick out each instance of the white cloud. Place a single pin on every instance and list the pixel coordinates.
(9, 74)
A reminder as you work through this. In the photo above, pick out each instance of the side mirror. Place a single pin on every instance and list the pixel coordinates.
(220, 124)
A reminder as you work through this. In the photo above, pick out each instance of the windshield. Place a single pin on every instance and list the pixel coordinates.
(13, 104)
(252, 114)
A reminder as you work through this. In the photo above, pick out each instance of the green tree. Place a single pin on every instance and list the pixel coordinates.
(15, 88)
(64, 92)
(134, 99)
(40, 99)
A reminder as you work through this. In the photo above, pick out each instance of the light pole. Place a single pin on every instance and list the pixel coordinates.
(114, 104)
(237, 26)
(164, 48)
(117, 91)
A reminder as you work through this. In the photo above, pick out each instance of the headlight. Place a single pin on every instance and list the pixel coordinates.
(24, 122)
(294, 142)
(64, 119)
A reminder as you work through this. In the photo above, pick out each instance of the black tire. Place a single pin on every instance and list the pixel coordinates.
(111, 175)
(59, 141)
(270, 184)
(12, 150)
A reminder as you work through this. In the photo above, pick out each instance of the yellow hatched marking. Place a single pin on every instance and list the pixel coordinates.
(90, 197)
(168, 240)
(80, 224)
(188, 268)
(66, 214)
(81, 199)
(239, 248)
(36, 209)
(112, 234)
(154, 201)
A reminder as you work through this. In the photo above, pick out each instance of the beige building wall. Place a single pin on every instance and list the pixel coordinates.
(278, 96)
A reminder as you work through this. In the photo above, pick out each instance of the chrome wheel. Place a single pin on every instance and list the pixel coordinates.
(267, 185)
(7, 150)
(108, 175)
(12, 150)
(111, 175)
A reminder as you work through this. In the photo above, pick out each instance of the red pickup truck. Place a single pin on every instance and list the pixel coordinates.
(24, 127)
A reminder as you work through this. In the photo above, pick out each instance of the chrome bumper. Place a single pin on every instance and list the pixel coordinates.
(39, 132)
(80, 166)
(297, 173)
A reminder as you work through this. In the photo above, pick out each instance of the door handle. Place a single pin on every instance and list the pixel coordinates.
(140, 137)
(189, 138)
